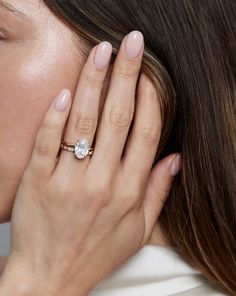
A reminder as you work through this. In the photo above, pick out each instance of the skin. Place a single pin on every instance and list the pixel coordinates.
(34, 50)
(36, 65)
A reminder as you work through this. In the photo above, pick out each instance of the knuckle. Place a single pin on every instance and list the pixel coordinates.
(99, 191)
(50, 125)
(131, 198)
(164, 192)
(127, 71)
(150, 134)
(44, 149)
(131, 202)
(121, 117)
(85, 125)
(28, 178)
(93, 80)
(152, 91)
(162, 197)
(63, 188)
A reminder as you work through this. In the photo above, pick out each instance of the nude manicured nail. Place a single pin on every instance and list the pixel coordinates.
(134, 44)
(102, 54)
(175, 165)
(62, 100)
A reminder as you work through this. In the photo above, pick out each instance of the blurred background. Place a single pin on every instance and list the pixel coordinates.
(4, 239)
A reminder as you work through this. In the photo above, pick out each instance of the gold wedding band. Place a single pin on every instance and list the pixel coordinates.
(81, 149)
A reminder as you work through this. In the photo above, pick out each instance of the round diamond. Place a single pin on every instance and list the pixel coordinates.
(82, 148)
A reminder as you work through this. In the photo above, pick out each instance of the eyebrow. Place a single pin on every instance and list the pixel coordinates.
(10, 8)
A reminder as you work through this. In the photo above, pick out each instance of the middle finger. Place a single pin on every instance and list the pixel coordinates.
(119, 105)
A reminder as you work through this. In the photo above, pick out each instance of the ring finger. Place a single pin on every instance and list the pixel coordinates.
(145, 135)
(83, 118)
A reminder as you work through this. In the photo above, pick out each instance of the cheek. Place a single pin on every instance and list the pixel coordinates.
(29, 81)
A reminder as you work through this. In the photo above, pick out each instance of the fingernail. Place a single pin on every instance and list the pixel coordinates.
(175, 165)
(133, 44)
(62, 100)
(102, 54)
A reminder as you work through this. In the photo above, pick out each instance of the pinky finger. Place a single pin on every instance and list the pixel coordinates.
(158, 188)
(48, 138)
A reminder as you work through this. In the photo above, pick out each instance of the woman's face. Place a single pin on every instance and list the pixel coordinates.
(38, 57)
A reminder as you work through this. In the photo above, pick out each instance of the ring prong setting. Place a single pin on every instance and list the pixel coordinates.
(81, 148)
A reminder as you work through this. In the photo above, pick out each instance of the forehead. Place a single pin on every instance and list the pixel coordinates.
(21, 8)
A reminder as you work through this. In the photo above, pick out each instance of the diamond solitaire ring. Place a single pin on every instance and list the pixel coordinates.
(81, 149)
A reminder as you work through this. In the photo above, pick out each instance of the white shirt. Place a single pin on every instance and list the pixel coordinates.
(155, 271)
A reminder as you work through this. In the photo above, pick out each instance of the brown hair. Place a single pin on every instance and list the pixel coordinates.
(190, 55)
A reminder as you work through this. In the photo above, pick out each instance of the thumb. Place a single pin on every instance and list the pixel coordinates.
(158, 188)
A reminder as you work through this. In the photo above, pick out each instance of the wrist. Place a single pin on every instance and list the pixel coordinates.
(19, 280)
(16, 281)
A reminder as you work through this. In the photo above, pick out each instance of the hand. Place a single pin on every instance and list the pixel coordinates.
(74, 221)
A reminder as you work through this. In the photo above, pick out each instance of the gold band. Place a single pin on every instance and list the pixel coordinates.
(71, 147)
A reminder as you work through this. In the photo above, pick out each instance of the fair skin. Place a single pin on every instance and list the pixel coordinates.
(36, 66)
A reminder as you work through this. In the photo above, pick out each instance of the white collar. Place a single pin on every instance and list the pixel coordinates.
(153, 270)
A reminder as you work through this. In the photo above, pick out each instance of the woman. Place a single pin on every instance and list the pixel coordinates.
(195, 84)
